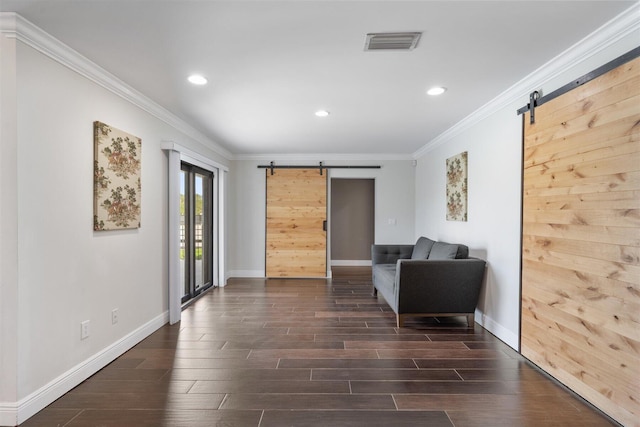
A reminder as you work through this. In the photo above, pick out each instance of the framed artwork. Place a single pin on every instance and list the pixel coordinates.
(457, 187)
(116, 178)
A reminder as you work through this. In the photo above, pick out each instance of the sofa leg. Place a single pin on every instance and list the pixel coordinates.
(399, 320)
(471, 320)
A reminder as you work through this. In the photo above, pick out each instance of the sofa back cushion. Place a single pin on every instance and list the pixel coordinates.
(422, 248)
(441, 250)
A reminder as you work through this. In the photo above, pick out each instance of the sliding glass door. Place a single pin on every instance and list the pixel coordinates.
(196, 230)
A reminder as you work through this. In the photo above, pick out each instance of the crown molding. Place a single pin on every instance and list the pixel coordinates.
(321, 157)
(616, 29)
(15, 26)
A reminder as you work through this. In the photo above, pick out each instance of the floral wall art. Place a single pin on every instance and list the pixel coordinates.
(457, 187)
(116, 179)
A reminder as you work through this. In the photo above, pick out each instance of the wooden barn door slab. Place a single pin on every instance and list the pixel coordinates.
(581, 241)
(296, 211)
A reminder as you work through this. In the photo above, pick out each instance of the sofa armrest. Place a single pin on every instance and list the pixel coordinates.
(439, 286)
(390, 254)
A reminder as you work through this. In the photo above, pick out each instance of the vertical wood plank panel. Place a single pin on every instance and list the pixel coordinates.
(296, 244)
(581, 241)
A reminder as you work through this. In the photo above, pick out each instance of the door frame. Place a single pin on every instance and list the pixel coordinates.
(176, 153)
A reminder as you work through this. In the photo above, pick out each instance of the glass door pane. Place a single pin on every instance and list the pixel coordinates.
(197, 206)
(201, 231)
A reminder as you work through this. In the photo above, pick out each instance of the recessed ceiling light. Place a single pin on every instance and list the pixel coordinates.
(322, 113)
(197, 79)
(438, 90)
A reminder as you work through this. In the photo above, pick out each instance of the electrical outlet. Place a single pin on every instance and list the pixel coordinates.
(114, 316)
(85, 329)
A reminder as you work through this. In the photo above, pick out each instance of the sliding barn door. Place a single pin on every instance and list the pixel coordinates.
(581, 241)
(296, 214)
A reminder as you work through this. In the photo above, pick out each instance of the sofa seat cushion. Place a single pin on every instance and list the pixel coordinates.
(385, 275)
(422, 248)
(386, 283)
(441, 250)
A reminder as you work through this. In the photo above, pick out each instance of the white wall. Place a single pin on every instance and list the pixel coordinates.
(8, 226)
(493, 138)
(65, 272)
(492, 231)
(394, 200)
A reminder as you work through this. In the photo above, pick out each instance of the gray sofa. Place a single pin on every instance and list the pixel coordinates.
(432, 279)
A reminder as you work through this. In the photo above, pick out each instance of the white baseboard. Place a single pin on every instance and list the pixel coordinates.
(244, 273)
(8, 414)
(351, 262)
(12, 413)
(498, 330)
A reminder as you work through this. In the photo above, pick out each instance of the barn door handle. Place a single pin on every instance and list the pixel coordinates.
(324, 225)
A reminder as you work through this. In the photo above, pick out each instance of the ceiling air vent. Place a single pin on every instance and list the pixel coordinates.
(391, 41)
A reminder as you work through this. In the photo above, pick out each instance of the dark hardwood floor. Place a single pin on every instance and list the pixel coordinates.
(315, 353)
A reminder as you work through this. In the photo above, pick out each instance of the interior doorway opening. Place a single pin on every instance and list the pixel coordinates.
(352, 224)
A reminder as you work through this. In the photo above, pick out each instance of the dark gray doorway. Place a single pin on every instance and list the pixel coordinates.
(352, 220)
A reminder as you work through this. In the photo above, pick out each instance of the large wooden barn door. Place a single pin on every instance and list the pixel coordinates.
(296, 228)
(581, 241)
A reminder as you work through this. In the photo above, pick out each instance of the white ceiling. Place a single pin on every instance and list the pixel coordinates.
(272, 64)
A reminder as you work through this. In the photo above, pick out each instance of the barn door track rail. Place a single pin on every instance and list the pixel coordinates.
(535, 100)
(320, 166)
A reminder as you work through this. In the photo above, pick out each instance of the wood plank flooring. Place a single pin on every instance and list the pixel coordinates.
(286, 352)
